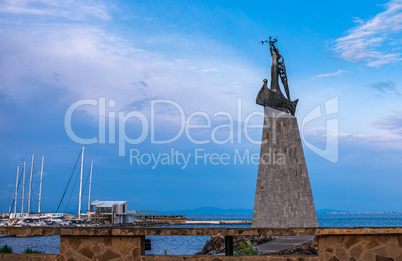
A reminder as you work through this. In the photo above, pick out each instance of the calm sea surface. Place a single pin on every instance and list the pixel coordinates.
(188, 245)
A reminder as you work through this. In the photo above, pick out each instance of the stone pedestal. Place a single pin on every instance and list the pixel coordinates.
(283, 197)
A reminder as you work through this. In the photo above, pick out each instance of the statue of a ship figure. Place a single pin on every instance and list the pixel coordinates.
(283, 196)
(273, 96)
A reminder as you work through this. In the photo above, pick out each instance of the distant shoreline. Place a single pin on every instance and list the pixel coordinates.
(373, 212)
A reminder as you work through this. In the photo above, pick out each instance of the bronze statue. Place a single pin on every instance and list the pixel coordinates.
(273, 96)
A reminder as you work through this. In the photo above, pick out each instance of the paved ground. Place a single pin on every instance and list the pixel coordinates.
(283, 242)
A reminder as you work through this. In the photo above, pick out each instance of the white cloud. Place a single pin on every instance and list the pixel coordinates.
(390, 135)
(87, 61)
(69, 9)
(364, 43)
(387, 140)
(210, 70)
(130, 17)
(390, 123)
(386, 87)
(339, 72)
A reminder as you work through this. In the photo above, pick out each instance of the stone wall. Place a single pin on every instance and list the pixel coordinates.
(230, 258)
(101, 247)
(334, 244)
(35, 257)
(360, 247)
(132, 231)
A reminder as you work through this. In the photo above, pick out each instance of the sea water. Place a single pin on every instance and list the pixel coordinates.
(189, 245)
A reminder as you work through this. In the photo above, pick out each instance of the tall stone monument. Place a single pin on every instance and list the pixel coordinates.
(283, 197)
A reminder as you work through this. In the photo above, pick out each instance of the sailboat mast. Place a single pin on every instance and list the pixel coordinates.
(90, 182)
(30, 185)
(40, 186)
(23, 190)
(16, 192)
(82, 168)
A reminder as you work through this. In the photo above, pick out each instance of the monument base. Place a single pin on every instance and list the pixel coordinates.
(283, 197)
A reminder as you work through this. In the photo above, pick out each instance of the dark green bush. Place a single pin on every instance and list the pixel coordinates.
(31, 251)
(6, 249)
(246, 250)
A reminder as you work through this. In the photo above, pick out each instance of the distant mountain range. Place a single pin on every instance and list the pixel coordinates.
(208, 211)
(220, 211)
(244, 211)
(326, 210)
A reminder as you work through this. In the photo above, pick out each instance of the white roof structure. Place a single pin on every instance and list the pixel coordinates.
(107, 204)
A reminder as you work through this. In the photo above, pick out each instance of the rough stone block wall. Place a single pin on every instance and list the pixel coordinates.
(283, 196)
(101, 248)
(229, 258)
(360, 247)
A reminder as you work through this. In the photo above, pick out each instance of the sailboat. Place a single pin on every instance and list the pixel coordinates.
(38, 218)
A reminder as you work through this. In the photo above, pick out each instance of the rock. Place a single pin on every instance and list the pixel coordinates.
(213, 252)
(306, 252)
(297, 253)
(208, 246)
(217, 243)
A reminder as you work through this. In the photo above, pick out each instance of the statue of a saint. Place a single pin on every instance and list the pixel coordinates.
(273, 97)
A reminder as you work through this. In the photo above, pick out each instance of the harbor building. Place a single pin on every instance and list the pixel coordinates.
(108, 212)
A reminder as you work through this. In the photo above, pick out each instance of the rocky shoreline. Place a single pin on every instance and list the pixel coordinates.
(217, 243)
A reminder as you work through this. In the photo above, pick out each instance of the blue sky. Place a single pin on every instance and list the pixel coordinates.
(205, 57)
